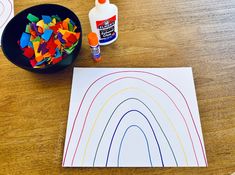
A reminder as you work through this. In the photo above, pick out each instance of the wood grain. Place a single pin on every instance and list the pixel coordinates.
(153, 33)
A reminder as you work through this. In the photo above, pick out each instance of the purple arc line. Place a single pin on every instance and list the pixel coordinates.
(111, 116)
(136, 71)
(118, 79)
(8, 15)
(155, 137)
(146, 140)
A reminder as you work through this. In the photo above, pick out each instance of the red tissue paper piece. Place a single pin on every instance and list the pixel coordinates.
(28, 52)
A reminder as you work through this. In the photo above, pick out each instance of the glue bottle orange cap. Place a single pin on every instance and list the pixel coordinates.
(92, 39)
(101, 1)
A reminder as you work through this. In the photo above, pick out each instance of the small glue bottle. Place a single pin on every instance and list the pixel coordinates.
(104, 21)
(94, 45)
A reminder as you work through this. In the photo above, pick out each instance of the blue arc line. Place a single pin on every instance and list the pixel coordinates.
(111, 118)
(146, 140)
(110, 145)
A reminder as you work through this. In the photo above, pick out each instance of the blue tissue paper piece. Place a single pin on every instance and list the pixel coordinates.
(24, 40)
(57, 54)
(30, 44)
(72, 22)
(47, 34)
(41, 62)
(46, 19)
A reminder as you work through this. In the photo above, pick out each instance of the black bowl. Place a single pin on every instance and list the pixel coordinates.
(16, 27)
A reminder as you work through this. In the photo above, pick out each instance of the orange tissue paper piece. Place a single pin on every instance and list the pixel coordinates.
(40, 29)
(46, 55)
(58, 43)
(66, 35)
(65, 25)
(77, 35)
(39, 58)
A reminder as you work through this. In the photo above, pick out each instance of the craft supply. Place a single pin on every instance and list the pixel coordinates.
(104, 21)
(94, 45)
(48, 40)
(133, 117)
(32, 18)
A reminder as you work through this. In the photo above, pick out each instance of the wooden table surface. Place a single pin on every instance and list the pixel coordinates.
(152, 33)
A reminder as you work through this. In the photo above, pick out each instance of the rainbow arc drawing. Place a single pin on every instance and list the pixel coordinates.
(133, 117)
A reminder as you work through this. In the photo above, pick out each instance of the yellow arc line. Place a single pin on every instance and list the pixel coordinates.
(157, 103)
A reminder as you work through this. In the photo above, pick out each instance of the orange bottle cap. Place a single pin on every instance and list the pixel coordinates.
(101, 1)
(92, 39)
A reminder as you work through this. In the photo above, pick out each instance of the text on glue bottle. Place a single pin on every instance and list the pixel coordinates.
(104, 21)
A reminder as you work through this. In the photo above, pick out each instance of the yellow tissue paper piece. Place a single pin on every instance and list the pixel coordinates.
(64, 31)
(35, 47)
(54, 21)
(40, 23)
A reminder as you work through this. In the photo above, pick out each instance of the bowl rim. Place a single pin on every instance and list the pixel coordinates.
(38, 70)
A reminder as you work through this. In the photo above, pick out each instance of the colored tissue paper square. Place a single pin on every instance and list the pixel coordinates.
(48, 40)
(46, 19)
(24, 40)
(28, 52)
(47, 34)
(33, 62)
(72, 38)
(32, 18)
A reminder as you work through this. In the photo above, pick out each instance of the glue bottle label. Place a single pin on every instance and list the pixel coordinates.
(106, 29)
(95, 51)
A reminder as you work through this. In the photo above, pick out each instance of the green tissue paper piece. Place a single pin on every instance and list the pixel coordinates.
(70, 27)
(32, 18)
(46, 26)
(36, 39)
(51, 24)
(27, 29)
(56, 17)
(70, 49)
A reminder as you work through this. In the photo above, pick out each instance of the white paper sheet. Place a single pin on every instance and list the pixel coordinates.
(133, 117)
(6, 13)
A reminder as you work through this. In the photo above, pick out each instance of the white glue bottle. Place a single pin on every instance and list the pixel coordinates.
(104, 21)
